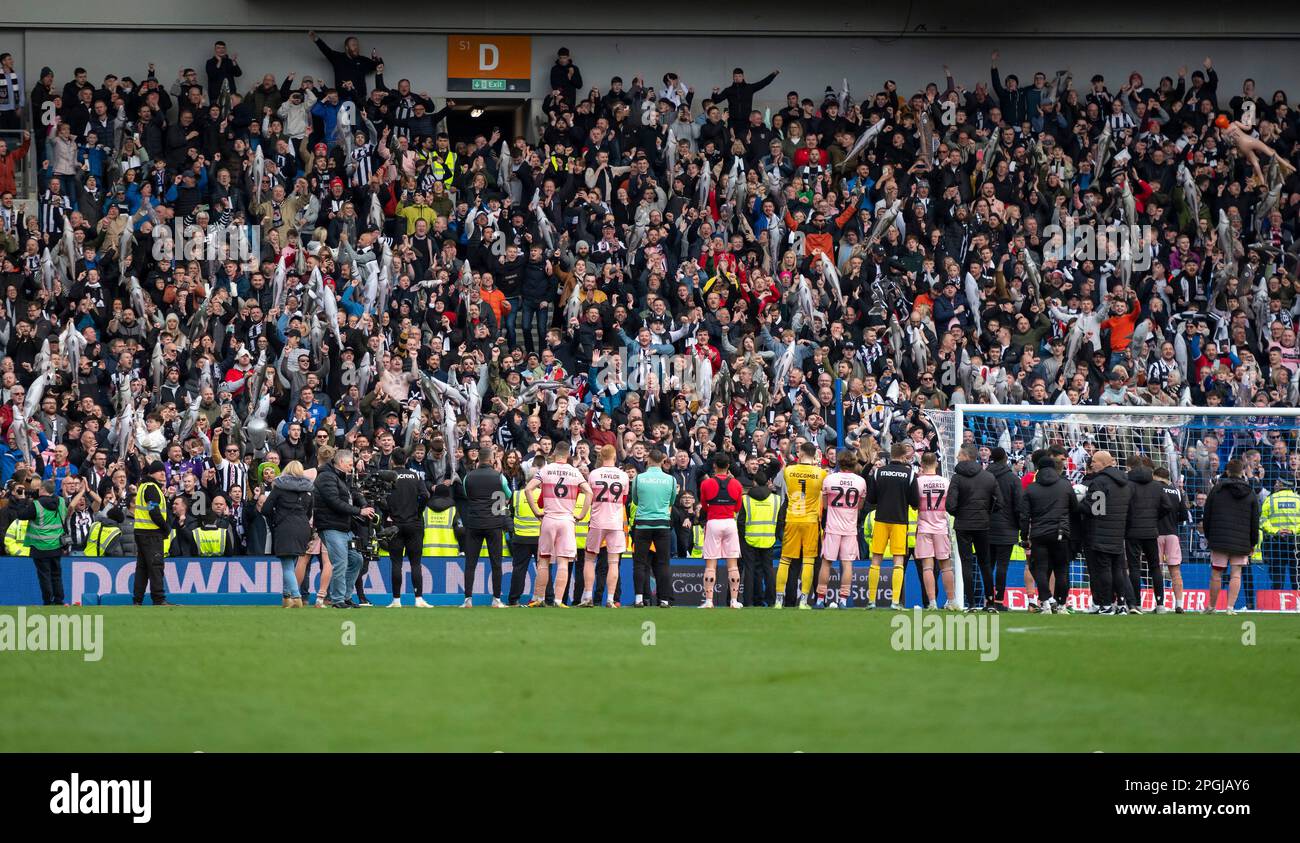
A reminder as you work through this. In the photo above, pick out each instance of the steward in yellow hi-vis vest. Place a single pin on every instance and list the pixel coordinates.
(440, 532)
(526, 529)
(151, 532)
(760, 510)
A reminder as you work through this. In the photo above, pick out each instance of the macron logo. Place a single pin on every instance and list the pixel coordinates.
(92, 796)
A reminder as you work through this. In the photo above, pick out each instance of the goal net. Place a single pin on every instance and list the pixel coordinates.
(1192, 443)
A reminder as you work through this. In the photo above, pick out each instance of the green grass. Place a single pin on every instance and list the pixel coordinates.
(269, 679)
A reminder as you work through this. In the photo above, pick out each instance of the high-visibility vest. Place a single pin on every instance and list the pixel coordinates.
(760, 521)
(444, 170)
(143, 521)
(912, 517)
(440, 532)
(45, 530)
(1281, 512)
(580, 528)
(628, 523)
(14, 539)
(211, 541)
(101, 536)
(697, 538)
(1018, 553)
(526, 523)
(868, 526)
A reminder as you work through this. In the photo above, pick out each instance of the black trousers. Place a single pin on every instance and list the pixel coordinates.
(579, 578)
(149, 566)
(407, 543)
(522, 554)
(361, 581)
(1110, 581)
(976, 543)
(757, 579)
(644, 562)
(1001, 554)
(474, 538)
(49, 574)
(1051, 556)
(1138, 548)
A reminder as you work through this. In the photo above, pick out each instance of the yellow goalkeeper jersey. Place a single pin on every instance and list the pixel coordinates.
(803, 490)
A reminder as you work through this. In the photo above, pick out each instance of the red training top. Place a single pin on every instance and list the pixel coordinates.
(720, 494)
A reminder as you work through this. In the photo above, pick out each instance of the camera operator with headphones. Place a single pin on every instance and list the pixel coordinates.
(335, 512)
(406, 503)
(45, 515)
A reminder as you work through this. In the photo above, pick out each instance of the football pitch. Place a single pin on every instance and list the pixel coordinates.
(260, 679)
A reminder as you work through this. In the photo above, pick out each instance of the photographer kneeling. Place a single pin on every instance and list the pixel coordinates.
(334, 511)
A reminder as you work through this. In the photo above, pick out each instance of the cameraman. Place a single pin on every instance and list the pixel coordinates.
(45, 517)
(406, 503)
(335, 510)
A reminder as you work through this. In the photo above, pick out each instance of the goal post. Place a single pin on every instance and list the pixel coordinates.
(1193, 443)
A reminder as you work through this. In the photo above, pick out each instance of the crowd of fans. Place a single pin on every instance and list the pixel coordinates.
(652, 266)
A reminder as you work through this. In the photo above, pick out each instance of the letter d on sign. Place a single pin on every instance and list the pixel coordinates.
(484, 50)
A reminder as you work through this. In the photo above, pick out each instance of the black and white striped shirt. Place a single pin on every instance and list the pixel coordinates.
(233, 474)
(362, 164)
(1158, 371)
(53, 210)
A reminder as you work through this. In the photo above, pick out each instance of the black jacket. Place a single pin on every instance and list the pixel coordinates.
(1147, 506)
(1105, 510)
(487, 499)
(890, 491)
(409, 497)
(349, 68)
(288, 511)
(1231, 517)
(1047, 506)
(1177, 514)
(1005, 520)
(333, 505)
(972, 495)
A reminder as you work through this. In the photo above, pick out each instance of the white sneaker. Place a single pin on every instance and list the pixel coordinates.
(640, 604)
(497, 604)
(585, 603)
(898, 607)
(320, 603)
(803, 600)
(832, 602)
(1208, 610)
(396, 604)
(780, 602)
(421, 604)
(1232, 611)
(950, 606)
(1162, 609)
(707, 604)
(736, 604)
(609, 604)
(468, 604)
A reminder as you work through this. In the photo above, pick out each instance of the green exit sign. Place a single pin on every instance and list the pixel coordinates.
(488, 85)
